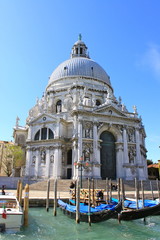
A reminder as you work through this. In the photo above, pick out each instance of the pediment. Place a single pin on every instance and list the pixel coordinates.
(44, 118)
(110, 110)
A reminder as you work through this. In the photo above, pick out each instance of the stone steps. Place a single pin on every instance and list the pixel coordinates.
(63, 185)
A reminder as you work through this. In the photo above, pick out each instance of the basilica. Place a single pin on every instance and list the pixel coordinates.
(79, 128)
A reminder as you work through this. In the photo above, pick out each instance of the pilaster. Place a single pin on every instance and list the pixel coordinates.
(125, 145)
(138, 153)
(37, 163)
(28, 160)
(47, 163)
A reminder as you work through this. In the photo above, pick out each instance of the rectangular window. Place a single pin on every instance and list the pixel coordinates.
(44, 133)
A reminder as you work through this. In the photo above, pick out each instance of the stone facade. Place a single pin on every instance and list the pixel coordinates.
(79, 127)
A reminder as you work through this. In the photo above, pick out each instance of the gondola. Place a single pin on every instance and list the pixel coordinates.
(131, 212)
(99, 213)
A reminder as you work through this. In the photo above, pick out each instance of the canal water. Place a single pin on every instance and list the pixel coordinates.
(44, 226)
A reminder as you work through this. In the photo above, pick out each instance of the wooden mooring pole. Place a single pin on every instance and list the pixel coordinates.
(26, 204)
(107, 190)
(142, 190)
(110, 193)
(158, 188)
(93, 193)
(151, 190)
(123, 192)
(18, 184)
(77, 201)
(47, 199)
(20, 192)
(55, 198)
(89, 202)
(136, 192)
(119, 190)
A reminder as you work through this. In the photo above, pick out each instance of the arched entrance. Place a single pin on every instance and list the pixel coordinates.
(108, 156)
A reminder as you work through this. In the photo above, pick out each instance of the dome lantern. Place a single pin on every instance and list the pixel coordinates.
(79, 49)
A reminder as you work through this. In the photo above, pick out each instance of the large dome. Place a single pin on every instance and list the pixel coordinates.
(79, 66)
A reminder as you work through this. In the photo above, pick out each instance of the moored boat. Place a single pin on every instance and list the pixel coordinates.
(99, 213)
(11, 213)
(133, 210)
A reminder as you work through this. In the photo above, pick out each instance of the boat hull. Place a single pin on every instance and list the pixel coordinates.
(133, 214)
(96, 216)
(12, 221)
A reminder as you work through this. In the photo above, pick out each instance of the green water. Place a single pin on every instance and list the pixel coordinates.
(44, 226)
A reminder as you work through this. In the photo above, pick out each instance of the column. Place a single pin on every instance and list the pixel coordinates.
(47, 163)
(58, 130)
(138, 153)
(96, 152)
(119, 160)
(74, 158)
(29, 137)
(125, 145)
(55, 163)
(79, 139)
(37, 163)
(59, 165)
(75, 147)
(95, 139)
(28, 160)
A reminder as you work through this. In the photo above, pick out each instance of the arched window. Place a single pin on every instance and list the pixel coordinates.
(37, 135)
(59, 106)
(98, 102)
(44, 134)
(51, 135)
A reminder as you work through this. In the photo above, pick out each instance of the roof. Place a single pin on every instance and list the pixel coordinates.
(155, 165)
(6, 142)
(79, 66)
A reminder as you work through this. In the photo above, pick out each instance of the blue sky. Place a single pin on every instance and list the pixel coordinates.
(122, 36)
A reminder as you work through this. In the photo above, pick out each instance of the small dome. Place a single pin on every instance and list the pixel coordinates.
(79, 66)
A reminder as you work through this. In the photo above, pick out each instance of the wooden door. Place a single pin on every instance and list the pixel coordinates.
(108, 156)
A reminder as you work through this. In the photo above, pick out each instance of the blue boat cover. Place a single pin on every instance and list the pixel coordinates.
(133, 204)
(84, 207)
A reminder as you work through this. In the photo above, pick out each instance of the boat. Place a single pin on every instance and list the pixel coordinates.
(99, 213)
(11, 213)
(135, 210)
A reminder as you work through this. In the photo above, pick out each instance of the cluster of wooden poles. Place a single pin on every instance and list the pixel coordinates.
(120, 194)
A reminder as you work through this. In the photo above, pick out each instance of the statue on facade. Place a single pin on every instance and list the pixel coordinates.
(17, 122)
(34, 160)
(131, 154)
(52, 159)
(87, 133)
(135, 110)
(130, 135)
(43, 156)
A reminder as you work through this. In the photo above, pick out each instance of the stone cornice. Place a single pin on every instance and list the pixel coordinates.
(109, 117)
(42, 142)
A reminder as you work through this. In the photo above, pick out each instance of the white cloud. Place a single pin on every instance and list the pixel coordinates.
(151, 59)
